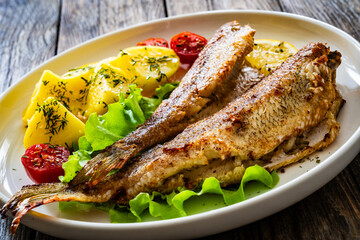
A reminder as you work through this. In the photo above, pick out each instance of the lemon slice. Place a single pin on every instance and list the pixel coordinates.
(268, 54)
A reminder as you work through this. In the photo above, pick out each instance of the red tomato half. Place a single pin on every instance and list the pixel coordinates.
(187, 46)
(159, 42)
(43, 162)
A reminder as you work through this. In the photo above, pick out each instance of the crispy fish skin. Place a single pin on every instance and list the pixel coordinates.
(239, 80)
(31, 196)
(296, 98)
(224, 52)
(289, 102)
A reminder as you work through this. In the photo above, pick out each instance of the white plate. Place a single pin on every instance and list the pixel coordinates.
(298, 181)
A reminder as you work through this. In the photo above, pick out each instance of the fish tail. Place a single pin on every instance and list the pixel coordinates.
(27, 204)
(101, 165)
(104, 169)
(32, 196)
(29, 197)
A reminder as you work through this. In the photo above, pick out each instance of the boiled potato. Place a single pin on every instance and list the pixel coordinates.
(92, 87)
(71, 90)
(53, 123)
(153, 66)
(147, 67)
(108, 81)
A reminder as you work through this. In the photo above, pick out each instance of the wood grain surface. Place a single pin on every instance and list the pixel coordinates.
(33, 31)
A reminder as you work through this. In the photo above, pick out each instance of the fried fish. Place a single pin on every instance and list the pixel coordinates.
(288, 115)
(218, 62)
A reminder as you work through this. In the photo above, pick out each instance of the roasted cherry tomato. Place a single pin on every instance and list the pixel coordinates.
(159, 42)
(43, 162)
(187, 46)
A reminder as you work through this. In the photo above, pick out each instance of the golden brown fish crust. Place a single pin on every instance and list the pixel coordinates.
(224, 52)
(289, 102)
(32, 196)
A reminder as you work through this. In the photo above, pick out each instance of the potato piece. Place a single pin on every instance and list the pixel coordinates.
(71, 90)
(107, 83)
(153, 66)
(53, 123)
(92, 87)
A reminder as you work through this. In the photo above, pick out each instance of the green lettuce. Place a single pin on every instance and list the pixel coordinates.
(173, 204)
(121, 118)
(167, 206)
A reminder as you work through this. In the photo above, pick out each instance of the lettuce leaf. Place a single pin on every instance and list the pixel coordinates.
(167, 206)
(122, 118)
(174, 205)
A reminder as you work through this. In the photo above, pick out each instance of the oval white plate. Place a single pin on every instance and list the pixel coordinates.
(298, 181)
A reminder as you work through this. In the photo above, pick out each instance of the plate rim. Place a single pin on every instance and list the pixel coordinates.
(348, 146)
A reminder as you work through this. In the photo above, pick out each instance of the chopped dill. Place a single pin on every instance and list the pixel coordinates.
(54, 122)
(122, 53)
(87, 82)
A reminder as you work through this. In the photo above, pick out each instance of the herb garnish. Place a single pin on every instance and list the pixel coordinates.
(54, 122)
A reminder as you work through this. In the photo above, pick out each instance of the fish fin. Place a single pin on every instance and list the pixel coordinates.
(32, 196)
(100, 166)
(83, 176)
(27, 204)
(28, 197)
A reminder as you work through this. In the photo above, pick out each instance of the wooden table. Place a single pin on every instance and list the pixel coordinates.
(33, 31)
